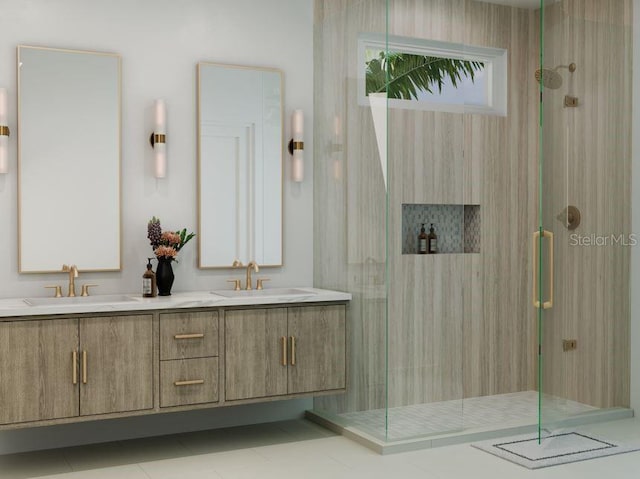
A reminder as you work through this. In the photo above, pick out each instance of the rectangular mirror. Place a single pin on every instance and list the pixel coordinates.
(239, 165)
(68, 160)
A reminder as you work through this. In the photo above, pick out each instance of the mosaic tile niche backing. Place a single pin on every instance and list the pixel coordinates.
(457, 227)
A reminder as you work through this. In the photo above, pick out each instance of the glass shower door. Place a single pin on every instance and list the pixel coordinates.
(552, 178)
(581, 291)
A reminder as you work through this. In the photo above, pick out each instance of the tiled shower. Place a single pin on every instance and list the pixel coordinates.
(440, 342)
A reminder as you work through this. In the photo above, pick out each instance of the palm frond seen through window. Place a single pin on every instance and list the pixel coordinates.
(403, 75)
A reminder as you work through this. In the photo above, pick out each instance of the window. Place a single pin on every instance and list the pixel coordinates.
(432, 75)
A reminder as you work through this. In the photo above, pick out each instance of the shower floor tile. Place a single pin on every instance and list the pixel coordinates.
(502, 410)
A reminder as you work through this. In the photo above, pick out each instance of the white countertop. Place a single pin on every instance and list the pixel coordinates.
(16, 307)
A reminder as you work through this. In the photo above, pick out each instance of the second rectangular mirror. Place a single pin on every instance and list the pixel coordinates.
(239, 165)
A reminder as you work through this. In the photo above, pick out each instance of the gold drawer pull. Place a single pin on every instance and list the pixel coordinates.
(74, 361)
(293, 350)
(284, 350)
(84, 367)
(189, 336)
(189, 383)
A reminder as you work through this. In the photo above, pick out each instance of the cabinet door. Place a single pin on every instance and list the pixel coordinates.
(319, 361)
(36, 370)
(254, 349)
(119, 364)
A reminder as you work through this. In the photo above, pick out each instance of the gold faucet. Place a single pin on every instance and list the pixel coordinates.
(73, 274)
(252, 265)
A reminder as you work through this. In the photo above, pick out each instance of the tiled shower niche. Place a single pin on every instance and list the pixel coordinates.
(457, 227)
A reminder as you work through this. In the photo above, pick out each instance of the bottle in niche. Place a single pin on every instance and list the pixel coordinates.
(149, 282)
(422, 241)
(433, 240)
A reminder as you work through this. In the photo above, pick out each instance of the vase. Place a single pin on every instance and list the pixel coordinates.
(164, 276)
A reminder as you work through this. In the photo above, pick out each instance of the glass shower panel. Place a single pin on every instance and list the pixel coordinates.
(585, 203)
(350, 189)
(500, 196)
(426, 178)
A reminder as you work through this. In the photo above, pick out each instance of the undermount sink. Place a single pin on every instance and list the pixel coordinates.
(264, 293)
(80, 300)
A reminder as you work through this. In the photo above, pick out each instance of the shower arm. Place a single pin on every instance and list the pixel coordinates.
(571, 67)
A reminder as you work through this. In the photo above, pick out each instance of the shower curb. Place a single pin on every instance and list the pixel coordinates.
(394, 447)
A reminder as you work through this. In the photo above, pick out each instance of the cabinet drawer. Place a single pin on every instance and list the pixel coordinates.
(188, 335)
(188, 381)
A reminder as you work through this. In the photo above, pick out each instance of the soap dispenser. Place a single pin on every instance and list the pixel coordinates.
(433, 240)
(422, 241)
(149, 282)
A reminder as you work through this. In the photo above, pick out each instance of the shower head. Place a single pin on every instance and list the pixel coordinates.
(551, 78)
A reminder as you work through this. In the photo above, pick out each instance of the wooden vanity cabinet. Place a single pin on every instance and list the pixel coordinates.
(80, 367)
(284, 351)
(64, 368)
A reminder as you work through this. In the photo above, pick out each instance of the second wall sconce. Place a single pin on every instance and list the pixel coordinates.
(296, 145)
(4, 133)
(158, 139)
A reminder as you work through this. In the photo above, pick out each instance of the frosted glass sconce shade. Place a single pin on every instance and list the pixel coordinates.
(296, 145)
(158, 139)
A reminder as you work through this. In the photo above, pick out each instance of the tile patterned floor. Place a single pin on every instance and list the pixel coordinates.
(437, 418)
(299, 449)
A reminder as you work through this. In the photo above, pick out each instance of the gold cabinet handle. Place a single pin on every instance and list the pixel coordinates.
(74, 365)
(189, 336)
(84, 367)
(284, 350)
(536, 243)
(293, 350)
(192, 382)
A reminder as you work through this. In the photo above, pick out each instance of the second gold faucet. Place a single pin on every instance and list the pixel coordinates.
(249, 282)
(252, 265)
(73, 274)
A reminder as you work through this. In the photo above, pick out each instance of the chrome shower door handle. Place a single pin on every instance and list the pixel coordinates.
(536, 243)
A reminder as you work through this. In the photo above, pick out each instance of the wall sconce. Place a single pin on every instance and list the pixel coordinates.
(4, 133)
(158, 139)
(296, 145)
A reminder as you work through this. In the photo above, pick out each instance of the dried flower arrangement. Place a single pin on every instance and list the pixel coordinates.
(166, 244)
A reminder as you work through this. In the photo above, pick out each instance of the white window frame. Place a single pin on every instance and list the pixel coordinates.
(494, 59)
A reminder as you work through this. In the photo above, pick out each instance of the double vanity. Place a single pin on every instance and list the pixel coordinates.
(75, 359)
